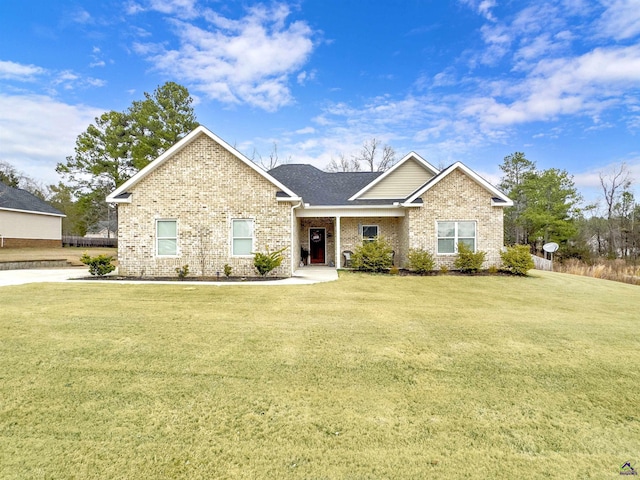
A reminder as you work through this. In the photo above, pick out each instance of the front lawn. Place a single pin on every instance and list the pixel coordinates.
(366, 377)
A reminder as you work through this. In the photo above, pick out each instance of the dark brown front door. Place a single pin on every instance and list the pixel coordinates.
(317, 245)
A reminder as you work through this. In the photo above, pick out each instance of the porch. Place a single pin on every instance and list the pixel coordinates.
(322, 241)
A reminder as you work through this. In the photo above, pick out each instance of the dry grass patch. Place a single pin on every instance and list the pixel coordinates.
(367, 377)
(616, 270)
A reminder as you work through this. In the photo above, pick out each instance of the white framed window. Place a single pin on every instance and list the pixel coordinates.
(166, 238)
(241, 237)
(452, 233)
(369, 233)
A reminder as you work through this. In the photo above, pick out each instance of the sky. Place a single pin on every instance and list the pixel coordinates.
(459, 80)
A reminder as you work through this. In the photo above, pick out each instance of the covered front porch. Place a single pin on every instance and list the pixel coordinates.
(322, 240)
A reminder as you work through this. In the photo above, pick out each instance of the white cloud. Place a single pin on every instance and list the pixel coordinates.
(583, 85)
(249, 60)
(37, 132)
(178, 8)
(482, 7)
(16, 71)
(621, 19)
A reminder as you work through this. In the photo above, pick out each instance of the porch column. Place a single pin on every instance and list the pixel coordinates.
(337, 234)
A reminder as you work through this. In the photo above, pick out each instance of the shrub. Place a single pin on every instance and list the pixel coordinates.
(468, 261)
(444, 269)
(421, 261)
(182, 271)
(227, 270)
(265, 262)
(493, 269)
(394, 270)
(517, 259)
(374, 256)
(100, 265)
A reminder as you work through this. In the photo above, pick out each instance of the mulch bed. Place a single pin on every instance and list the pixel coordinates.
(177, 280)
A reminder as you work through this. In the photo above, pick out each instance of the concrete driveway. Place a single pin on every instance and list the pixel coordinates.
(302, 276)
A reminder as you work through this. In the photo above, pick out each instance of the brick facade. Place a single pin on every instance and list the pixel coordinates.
(30, 243)
(203, 187)
(456, 198)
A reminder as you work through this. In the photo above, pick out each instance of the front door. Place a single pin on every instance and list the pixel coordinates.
(317, 245)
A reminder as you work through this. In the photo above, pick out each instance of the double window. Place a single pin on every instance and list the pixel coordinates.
(166, 237)
(450, 234)
(241, 237)
(369, 233)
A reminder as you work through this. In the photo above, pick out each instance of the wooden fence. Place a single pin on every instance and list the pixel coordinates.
(542, 263)
(74, 241)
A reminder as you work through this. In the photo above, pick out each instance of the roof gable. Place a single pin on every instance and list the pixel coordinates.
(391, 185)
(20, 200)
(120, 195)
(498, 198)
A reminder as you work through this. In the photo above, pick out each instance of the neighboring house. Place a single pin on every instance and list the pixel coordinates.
(103, 229)
(204, 204)
(27, 221)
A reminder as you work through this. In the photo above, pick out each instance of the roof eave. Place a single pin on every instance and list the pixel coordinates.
(50, 214)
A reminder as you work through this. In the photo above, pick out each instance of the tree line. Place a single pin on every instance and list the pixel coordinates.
(547, 208)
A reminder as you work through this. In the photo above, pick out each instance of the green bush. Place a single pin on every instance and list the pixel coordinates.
(421, 261)
(374, 256)
(182, 272)
(517, 259)
(100, 265)
(227, 270)
(468, 261)
(265, 262)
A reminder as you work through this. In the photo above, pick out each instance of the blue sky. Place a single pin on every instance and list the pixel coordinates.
(459, 80)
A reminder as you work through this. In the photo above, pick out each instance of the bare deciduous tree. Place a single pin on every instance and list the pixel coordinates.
(613, 185)
(343, 164)
(272, 162)
(369, 156)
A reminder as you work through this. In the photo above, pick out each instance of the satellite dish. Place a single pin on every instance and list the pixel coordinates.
(550, 247)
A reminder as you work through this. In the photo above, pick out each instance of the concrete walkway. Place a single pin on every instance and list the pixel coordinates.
(303, 276)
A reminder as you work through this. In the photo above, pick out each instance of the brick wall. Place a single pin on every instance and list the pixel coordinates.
(31, 243)
(203, 187)
(456, 198)
(388, 228)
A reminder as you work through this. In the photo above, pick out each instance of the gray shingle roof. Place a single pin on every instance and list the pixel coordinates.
(18, 199)
(324, 188)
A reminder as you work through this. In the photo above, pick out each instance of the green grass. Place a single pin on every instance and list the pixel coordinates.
(367, 377)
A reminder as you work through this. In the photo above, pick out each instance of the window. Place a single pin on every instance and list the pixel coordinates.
(167, 237)
(452, 233)
(242, 237)
(369, 233)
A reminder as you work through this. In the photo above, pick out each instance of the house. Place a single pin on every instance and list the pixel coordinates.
(103, 229)
(27, 221)
(204, 204)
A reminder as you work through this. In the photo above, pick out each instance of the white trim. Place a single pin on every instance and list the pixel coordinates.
(157, 238)
(201, 130)
(33, 212)
(333, 211)
(289, 199)
(456, 237)
(474, 176)
(368, 225)
(325, 245)
(253, 237)
(411, 155)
